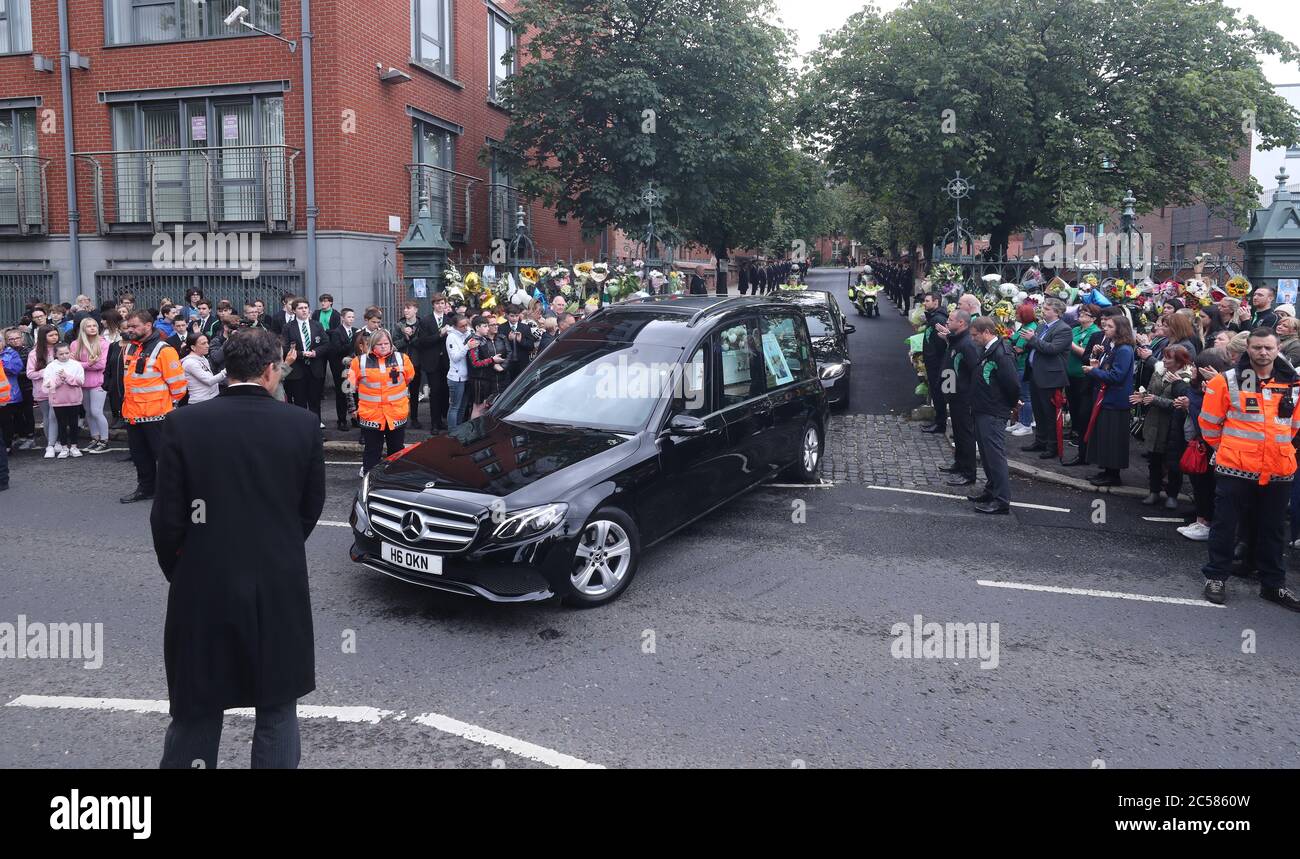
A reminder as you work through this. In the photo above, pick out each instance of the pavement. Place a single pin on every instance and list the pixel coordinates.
(774, 633)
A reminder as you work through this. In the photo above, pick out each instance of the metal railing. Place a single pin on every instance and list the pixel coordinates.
(20, 288)
(242, 187)
(24, 201)
(504, 202)
(149, 288)
(451, 198)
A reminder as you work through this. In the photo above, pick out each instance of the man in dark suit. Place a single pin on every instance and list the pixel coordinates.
(431, 345)
(278, 321)
(742, 278)
(305, 384)
(519, 343)
(955, 378)
(241, 484)
(932, 352)
(1046, 373)
(697, 286)
(995, 393)
(341, 337)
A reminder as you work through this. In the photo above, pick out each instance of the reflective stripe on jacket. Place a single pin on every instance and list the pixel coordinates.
(153, 381)
(1241, 422)
(382, 403)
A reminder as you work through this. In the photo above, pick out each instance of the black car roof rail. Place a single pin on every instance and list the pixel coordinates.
(719, 306)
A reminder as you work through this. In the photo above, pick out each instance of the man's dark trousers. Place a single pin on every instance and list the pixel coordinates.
(145, 440)
(1236, 500)
(990, 431)
(934, 380)
(963, 435)
(340, 400)
(276, 742)
(305, 391)
(1043, 402)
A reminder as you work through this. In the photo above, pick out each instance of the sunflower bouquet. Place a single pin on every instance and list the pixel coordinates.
(1238, 287)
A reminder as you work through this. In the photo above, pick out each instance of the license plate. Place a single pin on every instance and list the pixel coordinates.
(421, 562)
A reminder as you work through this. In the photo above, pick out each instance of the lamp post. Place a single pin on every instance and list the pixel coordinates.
(1126, 220)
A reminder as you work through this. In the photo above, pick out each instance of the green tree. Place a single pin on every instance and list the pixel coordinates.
(1053, 108)
(618, 93)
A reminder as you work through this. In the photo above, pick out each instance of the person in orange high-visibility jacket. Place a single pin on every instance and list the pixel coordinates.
(1250, 417)
(5, 396)
(153, 382)
(381, 379)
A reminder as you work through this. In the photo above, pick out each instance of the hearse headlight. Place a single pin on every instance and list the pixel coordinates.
(832, 371)
(365, 488)
(533, 520)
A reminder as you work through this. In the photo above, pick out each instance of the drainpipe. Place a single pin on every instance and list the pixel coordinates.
(69, 163)
(309, 143)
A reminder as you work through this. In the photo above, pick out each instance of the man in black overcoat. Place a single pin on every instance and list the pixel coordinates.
(241, 483)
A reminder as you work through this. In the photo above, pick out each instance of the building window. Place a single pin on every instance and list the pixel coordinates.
(20, 173)
(431, 34)
(225, 152)
(435, 153)
(15, 27)
(501, 59)
(133, 21)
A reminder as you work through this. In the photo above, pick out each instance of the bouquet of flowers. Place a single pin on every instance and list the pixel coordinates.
(1238, 287)
(949, 279)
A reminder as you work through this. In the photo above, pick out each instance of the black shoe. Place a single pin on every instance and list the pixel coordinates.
(4, 487)
(343, 426)
(1047, 454)
(1281, 596)
(1216, 591)
(959, 480)
(134, 497)
(1151, 500)
(1078, 460)
(994, 508)
(1034, 448)
(981, 497)
(1105, 480)
(932, 428)
(950, 469)
(126, 458)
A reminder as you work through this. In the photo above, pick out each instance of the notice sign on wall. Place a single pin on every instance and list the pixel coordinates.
(198, 128)
(1287, 290)
(230, 127)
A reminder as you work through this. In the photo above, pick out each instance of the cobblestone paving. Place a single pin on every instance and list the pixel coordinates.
(886, 450)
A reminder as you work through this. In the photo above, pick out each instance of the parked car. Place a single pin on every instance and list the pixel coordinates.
(830, 337)
(641, 419)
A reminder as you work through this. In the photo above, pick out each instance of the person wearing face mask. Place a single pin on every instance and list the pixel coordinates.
(382, 379)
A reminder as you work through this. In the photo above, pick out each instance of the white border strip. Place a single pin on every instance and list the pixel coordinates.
(952, 497)
(1089, 592)
(362, 715)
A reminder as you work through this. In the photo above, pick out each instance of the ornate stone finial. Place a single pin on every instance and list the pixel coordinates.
(1281, 193)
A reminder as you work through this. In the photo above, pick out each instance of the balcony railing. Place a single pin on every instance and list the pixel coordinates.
(451, 198)
(504, 202)
(236, 187)
(24, 203)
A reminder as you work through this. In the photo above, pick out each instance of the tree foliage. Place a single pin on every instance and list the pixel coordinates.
(1053, 108)
(615, 94)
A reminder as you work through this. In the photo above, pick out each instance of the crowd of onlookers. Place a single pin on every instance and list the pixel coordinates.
(1208, 391)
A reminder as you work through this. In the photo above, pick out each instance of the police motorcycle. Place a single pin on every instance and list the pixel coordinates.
(863, 294)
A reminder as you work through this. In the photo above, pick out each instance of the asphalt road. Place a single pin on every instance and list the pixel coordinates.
(758, 637)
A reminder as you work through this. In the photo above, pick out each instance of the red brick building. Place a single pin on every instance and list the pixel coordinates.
(183, 122)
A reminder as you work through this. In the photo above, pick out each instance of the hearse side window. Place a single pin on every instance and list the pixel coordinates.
(737, 346)
(787, 351)
(691, 396)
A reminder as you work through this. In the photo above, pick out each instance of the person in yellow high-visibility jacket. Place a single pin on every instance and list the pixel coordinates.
(1250, 417)
(153, 382)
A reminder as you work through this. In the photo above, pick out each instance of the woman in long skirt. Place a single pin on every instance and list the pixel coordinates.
(1108, 435)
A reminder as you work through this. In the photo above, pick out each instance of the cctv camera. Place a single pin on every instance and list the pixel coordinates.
(236, 17)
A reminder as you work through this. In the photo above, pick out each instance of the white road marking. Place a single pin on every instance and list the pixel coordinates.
(963, 498)
(1161, 519)
(1089, 592)
(825, 484)
(356, 715)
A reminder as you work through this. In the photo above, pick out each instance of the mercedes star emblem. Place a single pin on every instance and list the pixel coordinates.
(412, 526)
